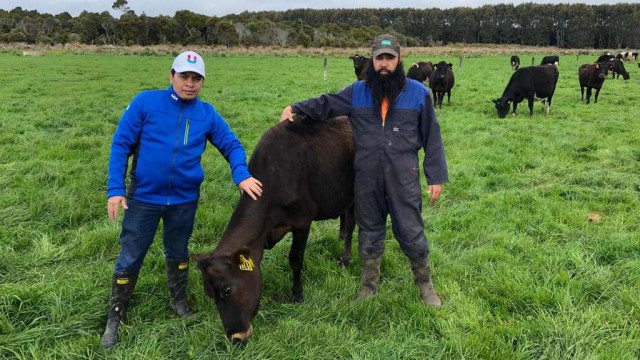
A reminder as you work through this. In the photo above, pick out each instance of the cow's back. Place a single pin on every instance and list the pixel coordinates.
(540, 80)
(545, 80)
(307, 166)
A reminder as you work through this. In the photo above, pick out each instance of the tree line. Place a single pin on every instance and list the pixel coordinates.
(560, 25)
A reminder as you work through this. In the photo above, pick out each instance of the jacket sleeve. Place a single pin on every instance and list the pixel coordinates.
(125, 140)
(435, 162)
(223, 138)
(326, 106)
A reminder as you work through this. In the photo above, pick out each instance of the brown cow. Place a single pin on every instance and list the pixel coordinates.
(592, 76)
(420, 71)
(306, 168)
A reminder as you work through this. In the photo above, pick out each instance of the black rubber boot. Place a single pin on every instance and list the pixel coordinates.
(370, 277)
(177, 278)
(121, 291)
(422, 279)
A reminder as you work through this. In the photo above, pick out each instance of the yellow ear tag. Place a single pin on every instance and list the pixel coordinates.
(122, 281)
(183, 266)
(246, 265)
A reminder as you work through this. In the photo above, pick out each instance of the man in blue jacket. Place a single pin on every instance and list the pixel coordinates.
(166, 133)
(392, 118)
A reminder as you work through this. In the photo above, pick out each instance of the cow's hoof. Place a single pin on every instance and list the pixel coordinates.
(344, 262)
(297, 298)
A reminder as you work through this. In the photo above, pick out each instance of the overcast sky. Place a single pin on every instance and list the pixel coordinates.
(225, 7)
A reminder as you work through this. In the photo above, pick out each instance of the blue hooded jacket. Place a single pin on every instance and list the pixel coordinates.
(166, 137)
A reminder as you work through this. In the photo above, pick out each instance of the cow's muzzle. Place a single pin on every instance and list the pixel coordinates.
(241, 336)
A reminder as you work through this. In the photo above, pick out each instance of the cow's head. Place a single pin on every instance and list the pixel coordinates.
(235, 284)
(602, 69)
(360, 66)
(503, 106)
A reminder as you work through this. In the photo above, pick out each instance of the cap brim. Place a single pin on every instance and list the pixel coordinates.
(188, 69)
(385, 51)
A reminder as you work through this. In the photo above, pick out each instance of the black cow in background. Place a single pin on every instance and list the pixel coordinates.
(441, 81)
(605, 57)
(592, 76)
(515, 62)
(420, 71)
(361, 66)
(616, 66)
(306, 168)
(551, 60)
(528, 83)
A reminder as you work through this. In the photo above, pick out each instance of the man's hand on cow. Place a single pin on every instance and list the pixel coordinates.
(252, 187)
(435, 191)
(113, 204)
(287, 114)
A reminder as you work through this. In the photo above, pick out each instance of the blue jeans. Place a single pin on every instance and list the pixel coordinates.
(139, 227)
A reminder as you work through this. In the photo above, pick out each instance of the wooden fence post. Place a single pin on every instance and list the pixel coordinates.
(324, 71)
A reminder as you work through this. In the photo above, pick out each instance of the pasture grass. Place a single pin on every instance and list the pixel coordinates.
(535, 243)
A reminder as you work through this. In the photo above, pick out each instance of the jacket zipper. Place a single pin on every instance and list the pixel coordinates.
(186, 133)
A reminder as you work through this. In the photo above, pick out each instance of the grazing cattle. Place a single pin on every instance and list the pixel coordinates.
(360, 66)
(441, 81)
(528, 83)
(420, 71)
(515, 62)
(551, 59)
(592, 76)
(306, 168)
(627, 56)
(617, 68)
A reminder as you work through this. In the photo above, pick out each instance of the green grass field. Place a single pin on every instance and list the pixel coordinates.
(522, 271)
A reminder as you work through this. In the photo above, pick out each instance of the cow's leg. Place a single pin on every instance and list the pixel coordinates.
(595, 100)
(347, 225)
(296, 260)
(588, 94)
(581, 92)
(530, 103)
(515, 107)
(449, 97)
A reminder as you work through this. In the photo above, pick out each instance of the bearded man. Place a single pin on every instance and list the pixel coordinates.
(392, 118)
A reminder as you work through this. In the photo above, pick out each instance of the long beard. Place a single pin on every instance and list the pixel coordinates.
(388, 85)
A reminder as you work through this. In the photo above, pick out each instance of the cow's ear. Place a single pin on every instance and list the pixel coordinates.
(242, 260)
(597, 66)
(495, 101)
(450, 65)
(200, 257)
